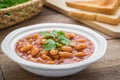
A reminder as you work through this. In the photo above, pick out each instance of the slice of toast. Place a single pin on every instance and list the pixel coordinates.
(119, 1)
(111, 19)
(100, 6)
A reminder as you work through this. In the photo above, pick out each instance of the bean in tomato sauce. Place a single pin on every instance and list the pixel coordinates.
(54, 47)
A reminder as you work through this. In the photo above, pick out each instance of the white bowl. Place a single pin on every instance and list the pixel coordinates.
(8, 47)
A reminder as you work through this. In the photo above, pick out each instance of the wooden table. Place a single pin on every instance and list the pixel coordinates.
(107, 68)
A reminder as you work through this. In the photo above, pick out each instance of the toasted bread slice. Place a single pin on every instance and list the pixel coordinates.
(82, 14)
(111, 19)
(100, 6)
(119, 1)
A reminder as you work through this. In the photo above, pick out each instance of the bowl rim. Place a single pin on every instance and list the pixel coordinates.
(21, 61)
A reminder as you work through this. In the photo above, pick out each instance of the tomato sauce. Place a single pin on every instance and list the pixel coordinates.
(63, 48)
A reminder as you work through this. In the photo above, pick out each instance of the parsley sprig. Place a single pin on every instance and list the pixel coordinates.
(62, 39)
(52, 34)
(50, 44)
(54, 39)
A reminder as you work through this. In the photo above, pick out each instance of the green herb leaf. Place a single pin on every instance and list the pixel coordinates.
(44, 34)
(49, 44)
(60, 33)
(62, 39)
(54, 39)
(51, 34)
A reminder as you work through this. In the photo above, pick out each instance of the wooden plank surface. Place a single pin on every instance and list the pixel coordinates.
(59, 5)
(90, 73)
(107, 68)
(1, 76)
(108, 65)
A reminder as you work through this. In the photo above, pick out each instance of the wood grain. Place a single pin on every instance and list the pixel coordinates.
(47, 11)
(1, 76)
(108, 65)
(59, 5)
(111, 57)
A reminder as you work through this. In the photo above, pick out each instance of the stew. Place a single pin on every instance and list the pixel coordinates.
(54, 47)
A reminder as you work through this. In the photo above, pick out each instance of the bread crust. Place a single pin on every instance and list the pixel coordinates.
(82, 15)
(110, 19)
(105, 8)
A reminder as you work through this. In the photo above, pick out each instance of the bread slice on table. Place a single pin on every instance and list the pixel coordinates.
(119, 2)
(110, 19)
(100, 6)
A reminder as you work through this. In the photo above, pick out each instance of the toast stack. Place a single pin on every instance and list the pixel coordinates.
(106, 11)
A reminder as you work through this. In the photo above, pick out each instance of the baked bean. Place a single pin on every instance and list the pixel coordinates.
(34, 51)
(53, 52)
(30, 40)
(44, 52)
(45, 57)
(69, 35)
(66, 48)
(81, 40)
(80, 46)
(42, 41)
(29, 52)
(28, 37)
(27, 47)
(50, 62)
(72, 44)
(35, 36)
(40, 60)
(32, 59)
(65, 54)
(55, 57)
(37, 43)
(80, 54)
